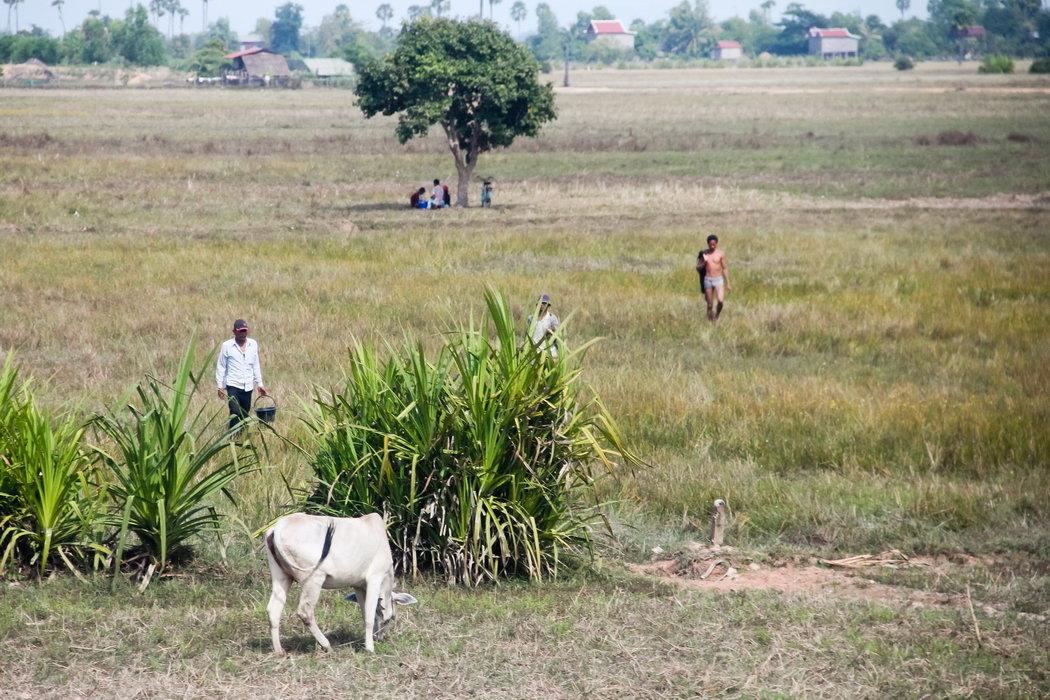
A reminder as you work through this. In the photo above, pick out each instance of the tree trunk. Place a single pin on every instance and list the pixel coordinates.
(464, 165)
(463, 188)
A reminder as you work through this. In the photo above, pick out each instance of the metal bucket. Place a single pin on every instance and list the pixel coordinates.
(267, 414)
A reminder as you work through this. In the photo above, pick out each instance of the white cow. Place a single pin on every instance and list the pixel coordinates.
(321, 552)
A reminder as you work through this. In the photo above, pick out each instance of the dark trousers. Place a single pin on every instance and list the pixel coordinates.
(240, 404)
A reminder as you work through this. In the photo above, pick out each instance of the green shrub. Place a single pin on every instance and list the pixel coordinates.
(904, 63)
(484, 458)
(1040, 65)
(996, 64)
(168, 460)
(50, 506)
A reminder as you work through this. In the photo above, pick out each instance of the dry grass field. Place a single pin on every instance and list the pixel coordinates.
(877, 382)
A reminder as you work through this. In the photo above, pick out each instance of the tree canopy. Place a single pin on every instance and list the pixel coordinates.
(471, 79)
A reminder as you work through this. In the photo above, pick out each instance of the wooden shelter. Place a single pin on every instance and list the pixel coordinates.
(257, 66)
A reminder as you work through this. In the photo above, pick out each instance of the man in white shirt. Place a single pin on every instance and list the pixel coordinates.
(542, 329)
(437, 197)
(238, 372)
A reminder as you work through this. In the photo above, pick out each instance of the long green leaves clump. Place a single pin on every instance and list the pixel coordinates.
(168, 461)
(483, 458)
(50, 507)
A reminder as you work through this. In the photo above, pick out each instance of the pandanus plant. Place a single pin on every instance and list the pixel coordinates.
(169, 459)
(484, 458)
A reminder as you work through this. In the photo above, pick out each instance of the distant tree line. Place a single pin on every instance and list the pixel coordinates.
(1019, 28)
(1013, 27)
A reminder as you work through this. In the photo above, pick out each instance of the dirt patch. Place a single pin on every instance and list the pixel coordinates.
(996, 201)
(950, 138)
(35, 73)
(723, 569)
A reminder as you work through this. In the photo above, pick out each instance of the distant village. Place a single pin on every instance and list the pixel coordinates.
(283, 52)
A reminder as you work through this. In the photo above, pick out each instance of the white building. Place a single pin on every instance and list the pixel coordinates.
(612, 28)
(727, 51)
(832, 43)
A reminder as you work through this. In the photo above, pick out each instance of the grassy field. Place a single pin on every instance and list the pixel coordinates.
(877, 381)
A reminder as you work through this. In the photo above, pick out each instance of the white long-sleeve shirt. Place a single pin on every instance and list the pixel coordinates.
(541, 330)
(237, 367)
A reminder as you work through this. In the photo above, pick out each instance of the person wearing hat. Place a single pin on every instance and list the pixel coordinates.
(542, 329)
(238, 372)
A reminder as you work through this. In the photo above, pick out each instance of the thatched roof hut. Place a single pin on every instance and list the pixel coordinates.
(258, 65)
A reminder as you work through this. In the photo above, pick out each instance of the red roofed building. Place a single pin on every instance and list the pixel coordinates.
(611, 28)
(726, 51)
(833, 43)
(257, 67)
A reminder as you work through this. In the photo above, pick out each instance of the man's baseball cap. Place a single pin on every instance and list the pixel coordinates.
(240, 325)
(545, 299)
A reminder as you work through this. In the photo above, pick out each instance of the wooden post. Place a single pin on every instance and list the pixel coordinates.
(718, 521)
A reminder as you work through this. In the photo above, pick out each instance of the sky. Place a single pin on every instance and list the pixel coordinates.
(243, 13)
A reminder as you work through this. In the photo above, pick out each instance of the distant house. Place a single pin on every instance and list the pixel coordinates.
(832, 43)
(611, 28)
(974, 31)
(257, 67)
(726, 51)
(329, 67)
(967, 39)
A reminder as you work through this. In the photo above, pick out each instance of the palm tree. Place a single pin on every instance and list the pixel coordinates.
(439, 6)
(903, 6)
(518, 13)
(767, 7)
(491, 3)
(57, 4)
(12, 4)
(384, 13)
(156, 8)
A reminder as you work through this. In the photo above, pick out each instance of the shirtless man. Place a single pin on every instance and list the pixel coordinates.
(715, 268)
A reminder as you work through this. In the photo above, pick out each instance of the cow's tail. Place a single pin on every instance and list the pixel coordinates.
(286, 566)
(328, 535)
(276, 556)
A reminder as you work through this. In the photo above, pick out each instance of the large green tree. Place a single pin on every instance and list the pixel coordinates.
(137, 40)
(471, 79)
(546, 43)
(284, 32)
(689, 31)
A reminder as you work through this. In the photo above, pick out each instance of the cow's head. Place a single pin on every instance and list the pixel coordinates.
(385, 606)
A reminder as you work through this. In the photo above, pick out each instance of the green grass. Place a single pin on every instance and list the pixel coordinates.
(877, 381)
(606, 636)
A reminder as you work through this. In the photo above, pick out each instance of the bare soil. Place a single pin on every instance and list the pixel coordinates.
(723, 569)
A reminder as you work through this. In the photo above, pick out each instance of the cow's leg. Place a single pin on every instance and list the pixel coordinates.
(369, 611)
(281, 583)
(360, 592)
(307, 605)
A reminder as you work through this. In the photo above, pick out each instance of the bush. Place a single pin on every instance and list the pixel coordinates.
(1040, 65)
(483, 459)
(169, 461)
(50, 508)
(996, 64)
(904, 63)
